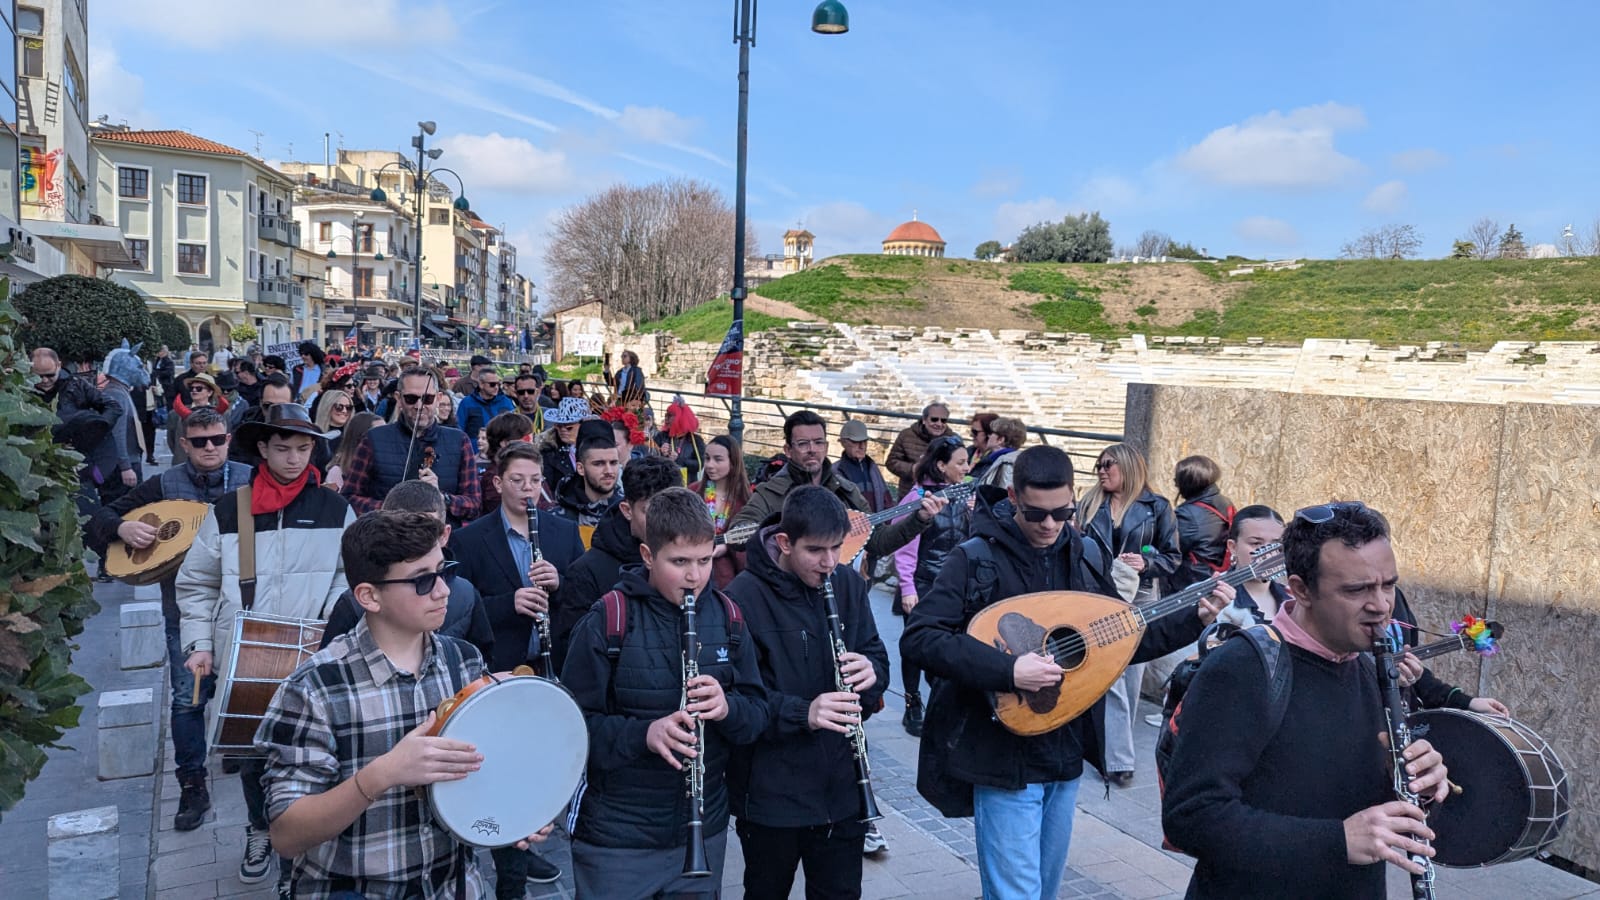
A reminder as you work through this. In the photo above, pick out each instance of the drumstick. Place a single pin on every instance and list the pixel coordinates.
(196, 700)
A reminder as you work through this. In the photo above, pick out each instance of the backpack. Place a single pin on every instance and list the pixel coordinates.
(765, 470)
(1279, 671)
(1227, 525)
(617, 623)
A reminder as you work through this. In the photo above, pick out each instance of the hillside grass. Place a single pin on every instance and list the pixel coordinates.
(830, 292)
(708, 322)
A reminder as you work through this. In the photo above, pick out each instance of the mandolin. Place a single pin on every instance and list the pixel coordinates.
(1092, 637)
(861, 524)
(176, 523)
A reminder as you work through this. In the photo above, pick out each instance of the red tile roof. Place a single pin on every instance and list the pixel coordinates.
(914, 231)
(172, 140)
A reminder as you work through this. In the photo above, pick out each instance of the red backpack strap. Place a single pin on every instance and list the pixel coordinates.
(735, 618)
(616, 609)
(1226, 517)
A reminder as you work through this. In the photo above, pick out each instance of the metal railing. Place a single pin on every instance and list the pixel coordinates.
(763, 418)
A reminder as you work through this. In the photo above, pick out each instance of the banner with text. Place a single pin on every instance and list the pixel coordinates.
(725, 378)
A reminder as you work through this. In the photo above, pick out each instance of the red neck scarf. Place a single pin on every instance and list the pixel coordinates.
(269, 495)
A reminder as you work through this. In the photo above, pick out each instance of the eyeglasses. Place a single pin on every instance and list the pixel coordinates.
(489, 384)
(526, 392)
(50, 377)
(424, 583)
(215, 440)
(978, 432)
(199, 387)
(938, 421)
(414, 399)
(519, 482)
(1060, 513)
(1105, 465)
(1323, 514)
(342, 407)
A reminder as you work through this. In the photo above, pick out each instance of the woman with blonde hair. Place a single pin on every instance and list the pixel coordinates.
(349, 440)
(1133, 525)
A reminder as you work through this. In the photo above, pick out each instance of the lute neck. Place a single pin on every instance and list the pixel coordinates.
(1441, 647)
(1162, 607)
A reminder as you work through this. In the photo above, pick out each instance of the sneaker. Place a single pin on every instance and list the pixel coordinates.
(257, 856)
(541, 870)
(1120, 779)
(874, 845)
(285, 889)
(193, 803)
(1153, 720)
(912, 720)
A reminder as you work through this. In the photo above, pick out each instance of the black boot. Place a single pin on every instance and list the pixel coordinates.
(192, 805)
(912, 720)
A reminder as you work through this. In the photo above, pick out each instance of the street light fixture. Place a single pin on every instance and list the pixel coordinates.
(830, 17)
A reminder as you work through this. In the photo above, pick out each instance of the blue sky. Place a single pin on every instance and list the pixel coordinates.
(1262, 129)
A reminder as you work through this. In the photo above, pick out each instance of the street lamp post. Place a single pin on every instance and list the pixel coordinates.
(830, 17)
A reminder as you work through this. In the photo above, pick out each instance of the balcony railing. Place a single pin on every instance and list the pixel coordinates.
(273, 290)
(279, 229)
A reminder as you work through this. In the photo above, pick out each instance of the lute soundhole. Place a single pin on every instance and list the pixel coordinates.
(1067, 646)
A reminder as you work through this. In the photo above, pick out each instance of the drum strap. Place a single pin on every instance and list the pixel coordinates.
(247, 550)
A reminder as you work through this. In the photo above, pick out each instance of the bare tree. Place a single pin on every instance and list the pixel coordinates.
(1589, 244)
(648, 252)
(1153, 243)
(1485, 237)
(1386, 242)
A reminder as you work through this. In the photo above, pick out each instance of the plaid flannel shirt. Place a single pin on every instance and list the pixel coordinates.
(462, 506)
(341, 709)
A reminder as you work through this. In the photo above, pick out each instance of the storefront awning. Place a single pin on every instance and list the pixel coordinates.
(341, 319)
(433, 329)
(102, 243)
(384, 323)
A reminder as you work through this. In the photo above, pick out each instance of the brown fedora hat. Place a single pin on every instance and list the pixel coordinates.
(280, 418)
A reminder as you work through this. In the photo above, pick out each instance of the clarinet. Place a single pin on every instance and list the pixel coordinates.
(694, 851)
(541, 620)
(1394, 712)
(856, 734)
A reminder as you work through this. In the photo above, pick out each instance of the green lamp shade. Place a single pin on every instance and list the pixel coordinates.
(830, 17)
(378, 196)
(461, 203)
(332, 255)
(377, 257)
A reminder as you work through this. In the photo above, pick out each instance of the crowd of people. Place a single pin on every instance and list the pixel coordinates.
(441, 523)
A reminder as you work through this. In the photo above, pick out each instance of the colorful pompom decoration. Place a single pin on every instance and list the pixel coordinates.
(1478, 630)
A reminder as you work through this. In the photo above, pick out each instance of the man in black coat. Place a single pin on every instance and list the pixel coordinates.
(795, 790)
(615, 544)
(1022, 790)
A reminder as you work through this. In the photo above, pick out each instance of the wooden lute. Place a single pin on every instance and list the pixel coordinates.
(1091, 636)
(861, 524)
(176, 523)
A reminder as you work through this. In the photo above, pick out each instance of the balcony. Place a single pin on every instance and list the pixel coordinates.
(272, 290)
(279, 230)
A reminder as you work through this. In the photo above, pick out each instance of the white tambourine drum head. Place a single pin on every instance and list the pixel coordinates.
(534, 744)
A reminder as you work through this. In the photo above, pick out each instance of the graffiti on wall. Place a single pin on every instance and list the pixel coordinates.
(40, 177)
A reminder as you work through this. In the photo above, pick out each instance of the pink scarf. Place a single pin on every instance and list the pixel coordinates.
(1294, 634)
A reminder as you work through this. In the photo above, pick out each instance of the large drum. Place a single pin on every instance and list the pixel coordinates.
(534, 744)
(266, 650)
(176, 523)
(1514, 795)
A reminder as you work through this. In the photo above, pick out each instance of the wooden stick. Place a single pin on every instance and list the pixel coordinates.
(196, 700)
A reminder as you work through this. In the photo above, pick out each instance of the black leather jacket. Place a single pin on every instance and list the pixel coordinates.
(1147, 522)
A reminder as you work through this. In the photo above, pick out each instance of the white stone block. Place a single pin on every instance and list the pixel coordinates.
(144, 636)
(147, 592)
(83, 854)
(126, 733)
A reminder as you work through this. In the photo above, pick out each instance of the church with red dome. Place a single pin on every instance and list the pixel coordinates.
(914, 238)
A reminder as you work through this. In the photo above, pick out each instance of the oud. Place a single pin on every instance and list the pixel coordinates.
(1092, 637)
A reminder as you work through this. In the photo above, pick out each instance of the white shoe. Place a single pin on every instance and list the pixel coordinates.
(257, 856)
(874, 844)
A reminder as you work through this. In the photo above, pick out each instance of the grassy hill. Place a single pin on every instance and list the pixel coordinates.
(1470, 302)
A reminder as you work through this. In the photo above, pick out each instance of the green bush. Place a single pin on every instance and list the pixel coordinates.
(173, 331)
(243, 333)
(45, 594)
(83, 318)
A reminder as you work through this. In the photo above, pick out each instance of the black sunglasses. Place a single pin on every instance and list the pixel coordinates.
(937, 419)
(1060, 513)
(424, 583)
(215, 440)
(414, 399)
(1104, 464)
(525, 392)
(1323, 514)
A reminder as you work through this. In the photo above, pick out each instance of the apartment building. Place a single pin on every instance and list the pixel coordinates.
(212, 229)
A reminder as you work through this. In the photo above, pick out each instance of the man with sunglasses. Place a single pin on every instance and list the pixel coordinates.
(204, 477)
(529, 393)
(1021, 790)
(476, 409)
(346, 737)
(390, 454)
(298, 573)
(1316, 782)
(914, 441)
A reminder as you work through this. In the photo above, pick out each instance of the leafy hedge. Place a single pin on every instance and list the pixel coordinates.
(83, 318)
(174, 333)
(45, 594)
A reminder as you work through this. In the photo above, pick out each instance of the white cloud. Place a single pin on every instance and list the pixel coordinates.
(1277, 150)
(1105, 193)
(997, 183)
(1011, 218)
(654, 124)
(210, 25)
(1421, 159)
(494, 162)
(455, 94)
(844, 226)
(1386, 198)
(118, 93)
(1267, 230)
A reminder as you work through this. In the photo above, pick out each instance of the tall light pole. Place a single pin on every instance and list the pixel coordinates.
(830, 17)
(419, 185)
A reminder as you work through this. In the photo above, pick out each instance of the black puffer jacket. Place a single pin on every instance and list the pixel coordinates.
(1202, 537)
(634, 799)
(962, 743)
(1147, 522)
(950, 527)
(793, 776)
(596, 571)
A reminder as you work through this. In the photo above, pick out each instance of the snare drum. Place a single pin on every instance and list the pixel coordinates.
(266, 650)
(534, 744)
(1514, 794)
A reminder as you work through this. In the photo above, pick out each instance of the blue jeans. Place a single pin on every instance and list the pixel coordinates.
(188, 720)
(1023, 838)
